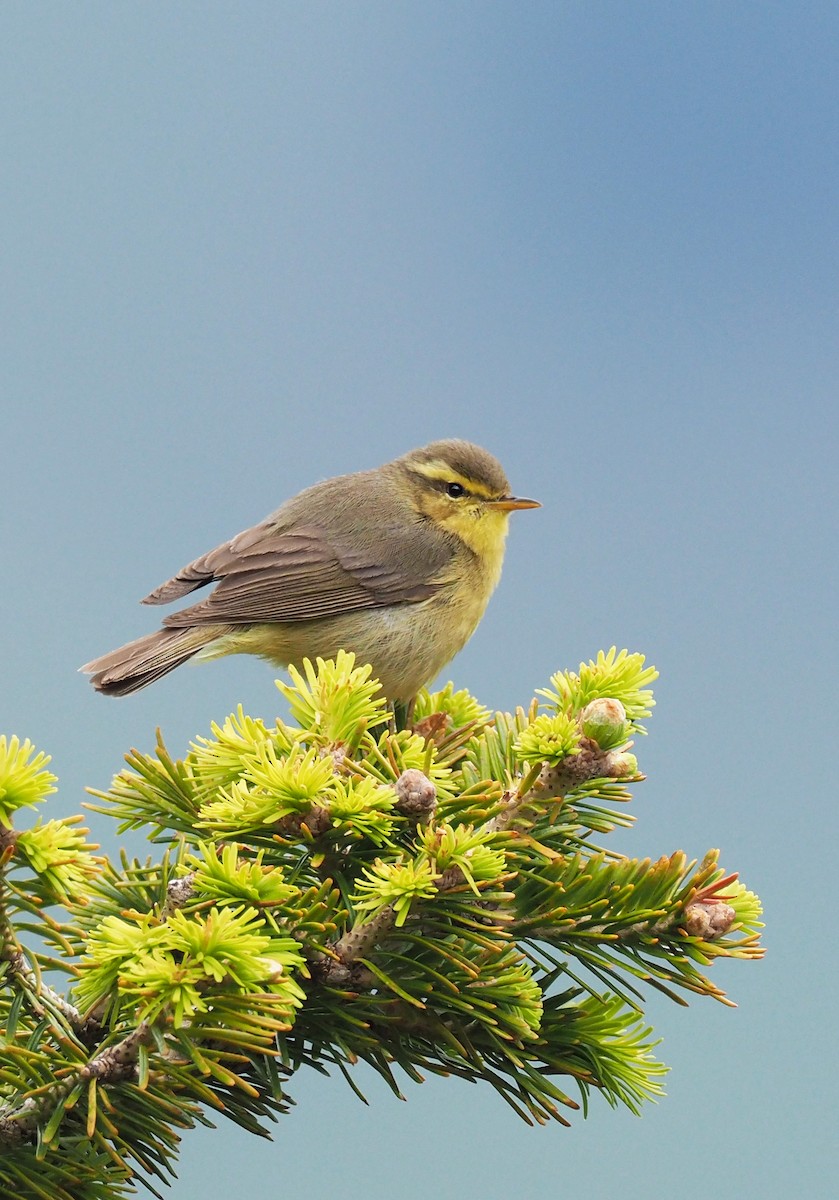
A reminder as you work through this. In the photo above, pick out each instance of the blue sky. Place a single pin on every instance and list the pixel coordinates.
(245, 248)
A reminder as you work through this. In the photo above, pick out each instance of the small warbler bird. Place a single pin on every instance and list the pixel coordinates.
(395, 564)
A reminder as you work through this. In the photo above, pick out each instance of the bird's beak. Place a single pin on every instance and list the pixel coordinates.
(509, 503)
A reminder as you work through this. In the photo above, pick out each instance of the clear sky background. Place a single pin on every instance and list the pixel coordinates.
(245, 247)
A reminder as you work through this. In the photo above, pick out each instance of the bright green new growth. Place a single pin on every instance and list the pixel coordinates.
(335, 702)
(429, 900)
(397, 885)
(614, 676)
(460, 706)
(24, 779)
(549, 739)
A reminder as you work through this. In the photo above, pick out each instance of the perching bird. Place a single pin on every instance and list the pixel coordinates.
(396, 564)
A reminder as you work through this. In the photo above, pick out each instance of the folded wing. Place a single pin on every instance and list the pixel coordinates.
(303, 575)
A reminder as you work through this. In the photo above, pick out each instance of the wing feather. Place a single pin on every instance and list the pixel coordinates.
(304, 575)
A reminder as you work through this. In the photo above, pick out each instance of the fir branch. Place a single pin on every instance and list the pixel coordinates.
(553, 781)
(426, 899)
(38, 995)
(20, 1121)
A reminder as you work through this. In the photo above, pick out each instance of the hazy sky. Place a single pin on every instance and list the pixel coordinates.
(248, 246)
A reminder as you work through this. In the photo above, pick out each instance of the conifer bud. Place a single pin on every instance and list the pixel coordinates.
(623, 766)
(708, 919)
(416, 795)
(604, 721)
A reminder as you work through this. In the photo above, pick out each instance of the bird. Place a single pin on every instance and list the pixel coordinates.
(395, 564)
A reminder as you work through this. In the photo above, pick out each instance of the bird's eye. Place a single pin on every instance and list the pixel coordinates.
(455, 490)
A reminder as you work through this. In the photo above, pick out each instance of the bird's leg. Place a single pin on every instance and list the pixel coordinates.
(403, 713)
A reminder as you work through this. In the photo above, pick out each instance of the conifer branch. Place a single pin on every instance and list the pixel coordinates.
(431, 898)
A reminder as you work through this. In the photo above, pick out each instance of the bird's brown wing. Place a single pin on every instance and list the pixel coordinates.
(210, 567)
(303, 575)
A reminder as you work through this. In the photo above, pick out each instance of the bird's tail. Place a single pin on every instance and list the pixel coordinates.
(141, 662)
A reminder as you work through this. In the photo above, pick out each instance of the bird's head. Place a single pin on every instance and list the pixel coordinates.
(463, 491)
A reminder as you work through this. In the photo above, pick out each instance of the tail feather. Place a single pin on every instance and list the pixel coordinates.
(147, 659)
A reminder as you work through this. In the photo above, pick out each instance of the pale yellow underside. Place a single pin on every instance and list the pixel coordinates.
(407, 644)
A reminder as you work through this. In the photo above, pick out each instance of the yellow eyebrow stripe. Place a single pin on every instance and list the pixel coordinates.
(442, 472)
